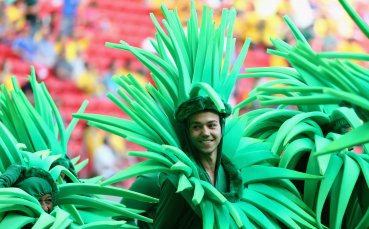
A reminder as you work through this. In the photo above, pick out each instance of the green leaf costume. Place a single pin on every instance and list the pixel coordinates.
(278, 168)
(196, 64)
(33, 158)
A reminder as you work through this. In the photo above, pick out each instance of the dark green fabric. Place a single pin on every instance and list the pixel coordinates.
(228, 180)
(37, 182)
(35, 186)
(67, 163)
(341, 126)
(174, 209)
(363, 114)
(197, 104)
(11, 175)
(147, 184)
(234, 183)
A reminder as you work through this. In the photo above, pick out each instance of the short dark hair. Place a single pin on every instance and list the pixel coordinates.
(197, 104)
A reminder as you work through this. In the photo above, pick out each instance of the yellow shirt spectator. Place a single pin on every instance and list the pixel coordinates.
(15, 16)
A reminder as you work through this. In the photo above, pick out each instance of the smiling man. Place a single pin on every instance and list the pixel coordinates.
(205, 134)
(203, 126)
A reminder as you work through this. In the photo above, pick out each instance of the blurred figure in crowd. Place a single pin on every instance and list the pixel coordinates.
(31, 15)
(63, 69)
(23, 45)
(69, 13)
(105, 159)
(45, 54)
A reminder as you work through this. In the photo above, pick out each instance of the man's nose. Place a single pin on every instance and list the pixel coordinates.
(205, 131)
(44, 206)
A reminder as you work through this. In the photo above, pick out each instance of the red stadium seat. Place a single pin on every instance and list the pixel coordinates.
(20, 67)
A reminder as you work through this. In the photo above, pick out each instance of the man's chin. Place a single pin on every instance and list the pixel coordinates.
(206, 151)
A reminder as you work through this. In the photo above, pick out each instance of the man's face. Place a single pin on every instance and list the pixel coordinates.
(46, 203)
(205, 132)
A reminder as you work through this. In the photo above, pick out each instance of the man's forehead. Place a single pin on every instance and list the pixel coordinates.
(46, 196)
(204, 116)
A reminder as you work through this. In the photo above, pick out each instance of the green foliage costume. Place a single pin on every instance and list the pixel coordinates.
(271, 147)
(34, 181)
(192, 63)
(33, 155)
(147, 184)
(228, 179)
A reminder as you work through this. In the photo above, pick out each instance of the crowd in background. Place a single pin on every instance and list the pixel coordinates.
(324, 23)
(52, 36)
(57, 37)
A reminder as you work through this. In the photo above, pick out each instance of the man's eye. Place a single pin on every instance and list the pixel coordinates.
(47, 201)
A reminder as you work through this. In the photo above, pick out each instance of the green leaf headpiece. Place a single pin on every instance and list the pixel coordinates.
(37, 182)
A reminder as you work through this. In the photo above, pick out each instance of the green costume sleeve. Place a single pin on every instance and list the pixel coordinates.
(146, 184)
(173, 210)
(10, 176)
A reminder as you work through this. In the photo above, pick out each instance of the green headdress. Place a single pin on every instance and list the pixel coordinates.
(26, 127)
(37, 182)
(39, 126)
(330, 94)
(185, 66)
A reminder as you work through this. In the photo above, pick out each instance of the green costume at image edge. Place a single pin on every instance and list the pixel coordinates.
(271, 147)
(33, 155)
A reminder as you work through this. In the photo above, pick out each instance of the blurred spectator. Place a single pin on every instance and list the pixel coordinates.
(92, 138)
(113, 69)
(15, 15)
(91, 16)
(248, 24)
(303, 17)
(45, 54)
(324, 32)
(78, 64)
(3, 30)
(31, 15)
(275, 26)
(69, 13)
(49, 14)
(353, 46)
(89, 81)
(69, 45)
(105, 160)
(3, 22)
(63, 69)
(96, 21)
(24, 45)
(350, 45)
(6, 74)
